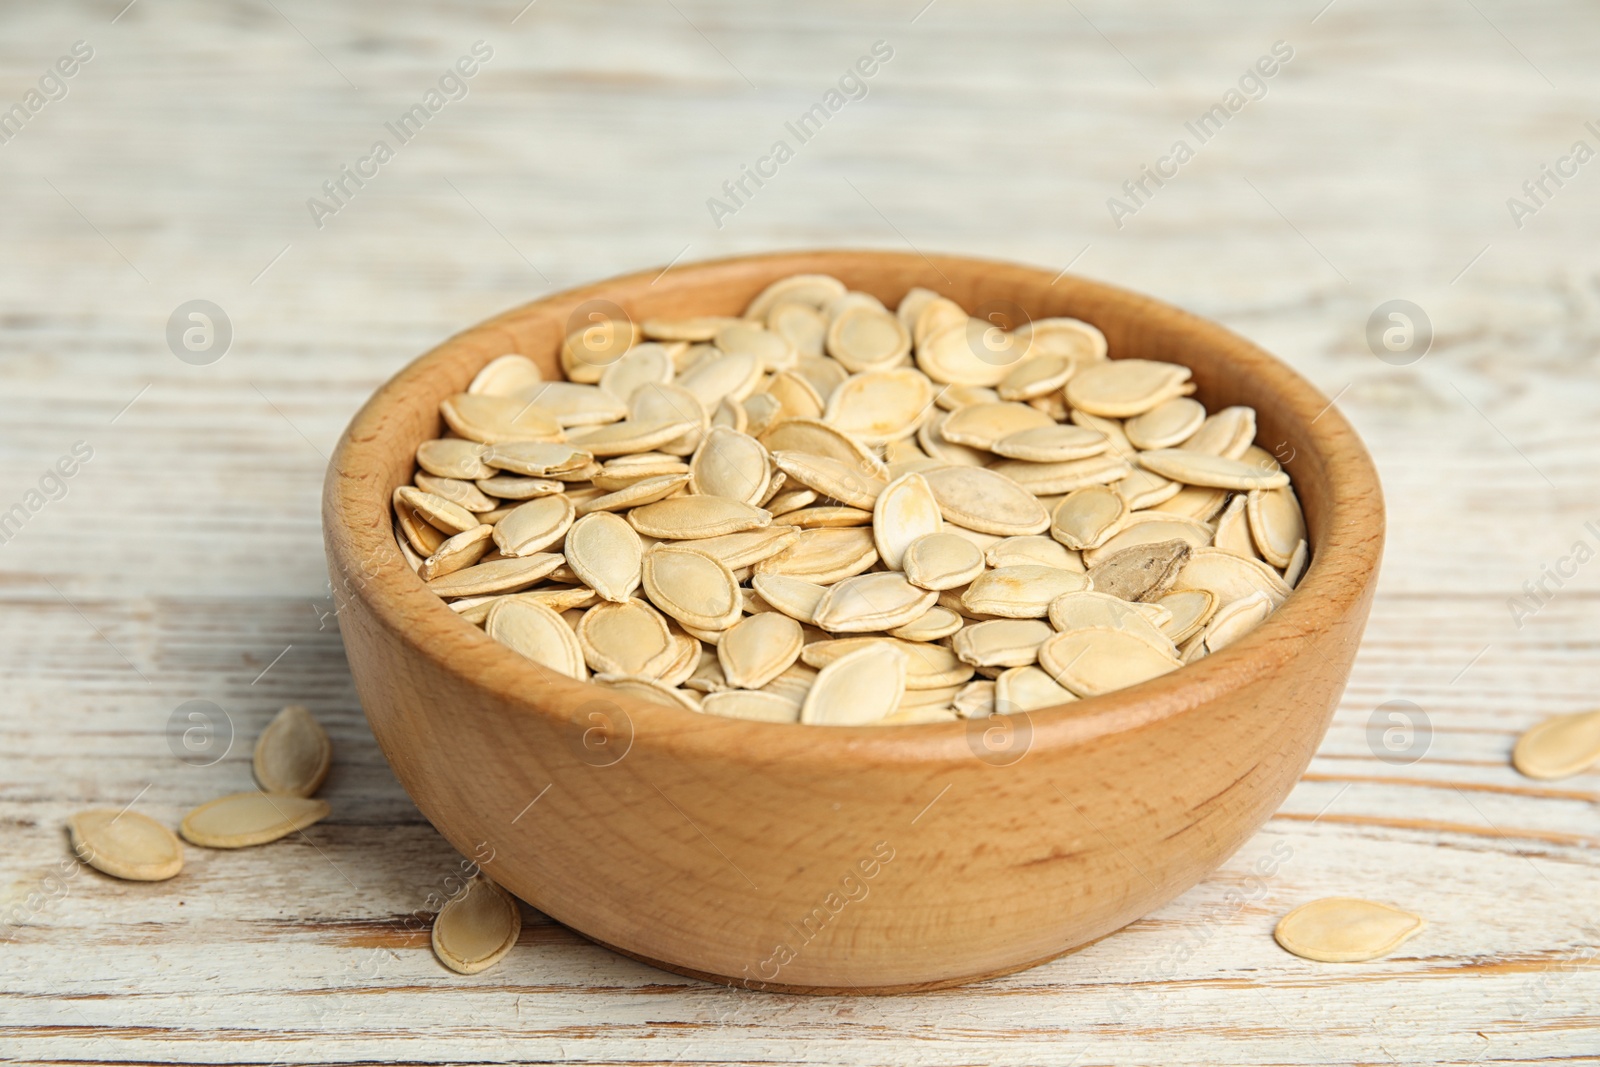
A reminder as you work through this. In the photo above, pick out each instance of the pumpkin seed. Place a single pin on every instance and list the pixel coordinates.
(1021, 592)
(538, 459)
(1215, 472)
(983, 500)
(456, 553)
(865, 338)
(927, 666)
(244, 819)
(684, 517)
(1228, 433)
(861, 687)
(125, 844)
(628, 638)
(846, 482)
(1027, 688)
(1035, 549)
(692, 588)
(535, 631)
(868, 602)
(1230, 577)
(605, 553)
(1233, 530)
(941, 561)
(1297, 565)
(534, 526)
(1094, 662)
(1345, 930)
(454, 458)
(1086, 518)
(1167, 425)
(931, 625)
(758, 648)
(293, 753)
(1054, 443)
(903, 512)
(1076, 340)
(1191, 609)
(794, 597)
(436, 510)
(1559, 747)
(824, 556)
(496, 576)
(816, 290)
(1276, 523)
(1150, 529)
(699, 328)
(506, 376)
(1049, 479)
(1036, 375)
(1120, 388)
(881, 406)
(751, 705)
(475, 930)
(1001, 642)
(1101, 611)
(1143, 572)
(730, 464)
(985, 425)
(495, 419)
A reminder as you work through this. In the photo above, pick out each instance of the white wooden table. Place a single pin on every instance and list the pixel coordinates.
(184, 561)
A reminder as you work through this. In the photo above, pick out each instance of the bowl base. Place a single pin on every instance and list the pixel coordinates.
(841, 990)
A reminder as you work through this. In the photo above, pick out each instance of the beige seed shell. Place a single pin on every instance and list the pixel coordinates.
(1213, 472)
(1559, 747)
(1093, 662)
(293, 753)
(859, 688)
(1228, 432)
(824, 556)
(1101, 611)
(1150, 529)
(535, 459)
(752, 706)
(683, 517)
(1345, 930)
(795, 597)
(881, 406)
(496, 576)
(1077, 340)
(849, 483)
(1055, 443)
(1121, 388)
(816, 290)
(436, 510)
(1230, 577)
(1276, 523)
(1087, 518)
(1035, 549)
(868, 602)
(1027, 688)
(605, 553)
(1001, 642)
(240, 820)
(758, 648)
(629, 638)
(475, 929)
(125, 844)
(983, 500)
(732, 465)
(935, 623)
(1021, 592)
(1050, 479)
(1191, 609)
(904, 511)
(817, 438)
(453, 458)
(534, 526)
(984, 425)
(506, 376)
(492, 419)
(1167, 425)
(534, 630)
(1036, 375)
(457, 553)
(942, 561)
(695, 589)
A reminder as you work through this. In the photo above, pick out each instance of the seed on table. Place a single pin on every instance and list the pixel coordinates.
(475, 930)
(293, 753)
(1346, 930)
(241, 820)
(125, 844)
(1559, 747)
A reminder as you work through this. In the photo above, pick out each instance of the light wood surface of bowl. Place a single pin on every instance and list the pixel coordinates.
(867, 859)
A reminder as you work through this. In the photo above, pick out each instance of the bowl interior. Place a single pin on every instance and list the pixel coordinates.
(1331, 472)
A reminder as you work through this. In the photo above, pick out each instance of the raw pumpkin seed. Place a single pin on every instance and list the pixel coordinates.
(125, 844)
(1345, 930)
(475, 929)
(293, 753)
(244, 819)
(1559, 747)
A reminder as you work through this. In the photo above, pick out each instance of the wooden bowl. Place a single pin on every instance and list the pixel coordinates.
(869, 859)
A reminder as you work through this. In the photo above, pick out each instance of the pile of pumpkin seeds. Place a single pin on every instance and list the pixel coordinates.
(829, 512)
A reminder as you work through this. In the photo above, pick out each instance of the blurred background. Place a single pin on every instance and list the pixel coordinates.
(1425, 153)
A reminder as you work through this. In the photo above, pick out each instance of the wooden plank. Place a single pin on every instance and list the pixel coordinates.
(185, 558)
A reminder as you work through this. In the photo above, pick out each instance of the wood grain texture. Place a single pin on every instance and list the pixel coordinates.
(186, 556)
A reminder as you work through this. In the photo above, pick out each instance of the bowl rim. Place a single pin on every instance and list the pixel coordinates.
(358, 530)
